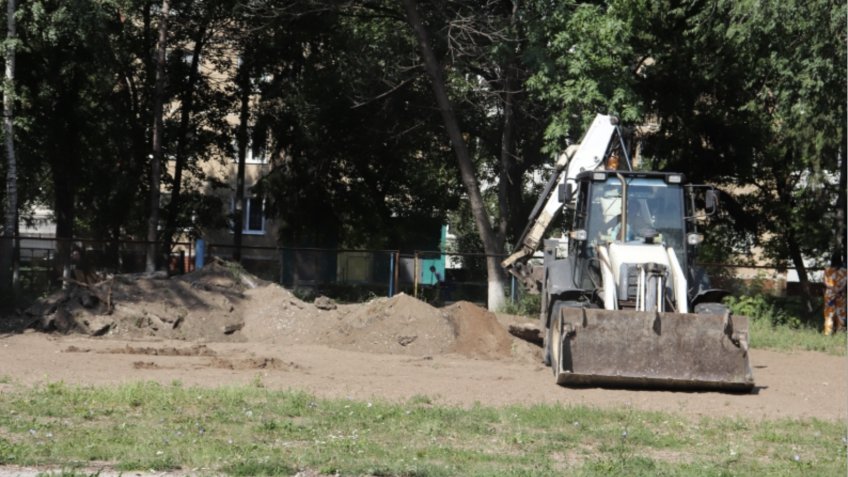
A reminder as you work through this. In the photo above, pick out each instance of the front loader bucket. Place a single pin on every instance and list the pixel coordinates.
(633, 348)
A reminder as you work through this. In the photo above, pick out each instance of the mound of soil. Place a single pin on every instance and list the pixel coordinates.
(478, 332)
(222, 303)
(397, 325)
(272, 313)
(200, 306)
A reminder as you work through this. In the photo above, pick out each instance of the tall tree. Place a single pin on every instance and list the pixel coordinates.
(356, 150)
(242, 130)
(65, 82)
(466, 167)
(199, 39)
(8, 248)
(151, 256)
(487, 47)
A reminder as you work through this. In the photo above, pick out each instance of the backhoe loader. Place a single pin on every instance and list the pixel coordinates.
(623, 303)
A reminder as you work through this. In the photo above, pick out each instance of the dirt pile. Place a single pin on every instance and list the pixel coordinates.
(222, 303)
(397, 325)
(199, 306)
(272, 313)
(478, 332)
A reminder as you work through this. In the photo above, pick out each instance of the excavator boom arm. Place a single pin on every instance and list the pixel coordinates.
(586, 156)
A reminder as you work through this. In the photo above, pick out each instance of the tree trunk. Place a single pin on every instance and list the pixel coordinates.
(242, 145)
(183, 137)
(506, 165)
(466, 167)
(64, 163)
(63, 206)
(509, 192)
(784, 193)
(800, 268)
(838, 258)
(64, 157)
(9, 265)
(156, 160)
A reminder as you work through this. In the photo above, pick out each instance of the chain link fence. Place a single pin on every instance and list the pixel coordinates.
(345, 274)
(356, 275)
(348, 275)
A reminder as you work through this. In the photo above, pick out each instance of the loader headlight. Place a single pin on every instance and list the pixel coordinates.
(674, 178)
(694, 239)
(578, 234)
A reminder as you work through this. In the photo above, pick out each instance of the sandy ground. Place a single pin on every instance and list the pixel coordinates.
(789, 385)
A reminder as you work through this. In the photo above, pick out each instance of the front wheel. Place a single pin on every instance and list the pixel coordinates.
(554, 335)
(556, 348)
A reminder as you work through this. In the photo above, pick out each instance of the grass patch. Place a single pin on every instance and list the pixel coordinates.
(785, 338)
(781, 324)
(255, 431)
(525, 305)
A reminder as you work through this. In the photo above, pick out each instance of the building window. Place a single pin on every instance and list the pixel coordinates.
(258, 150)
(254, 215)
(253, 222)
(256, 155)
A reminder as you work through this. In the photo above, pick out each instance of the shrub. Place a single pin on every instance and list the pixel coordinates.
(762, 307)
(526, 305)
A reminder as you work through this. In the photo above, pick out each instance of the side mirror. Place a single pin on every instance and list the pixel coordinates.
(565, 192)
(711, 199)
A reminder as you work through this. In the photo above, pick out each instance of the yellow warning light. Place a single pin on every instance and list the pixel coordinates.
(612, 163)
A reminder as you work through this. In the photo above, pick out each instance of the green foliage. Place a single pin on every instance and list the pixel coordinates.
(749, 93)
(741, 93)
(528, 305)
(364, 158)
(582, 57)
(762, 308)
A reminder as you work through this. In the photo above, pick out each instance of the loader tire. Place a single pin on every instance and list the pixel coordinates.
(547, 356)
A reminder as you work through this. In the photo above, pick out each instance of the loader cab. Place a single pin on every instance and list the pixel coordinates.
(654, 211)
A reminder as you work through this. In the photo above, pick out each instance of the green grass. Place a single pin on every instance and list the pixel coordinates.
(254, 431)
(781, 324)
(786, 338)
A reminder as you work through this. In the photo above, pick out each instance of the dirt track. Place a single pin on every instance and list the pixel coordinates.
(218, 326)
(789, 385)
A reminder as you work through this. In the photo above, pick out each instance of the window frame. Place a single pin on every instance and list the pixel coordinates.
(249, 201)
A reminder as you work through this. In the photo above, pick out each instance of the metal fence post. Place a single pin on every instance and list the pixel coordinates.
(200, 251)
(415, 275)
(397, 270)
(391, 274)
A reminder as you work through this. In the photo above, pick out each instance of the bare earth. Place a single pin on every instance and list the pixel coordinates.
(789, 385)
(213, 328)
